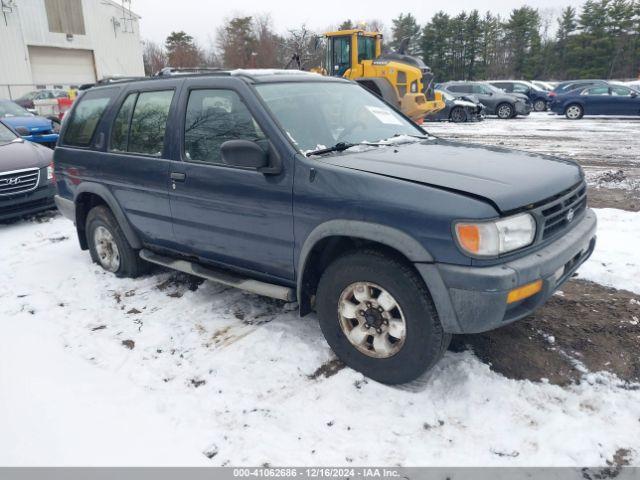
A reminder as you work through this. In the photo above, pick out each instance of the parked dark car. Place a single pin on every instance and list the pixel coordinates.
(496, 102)
(564, 87)
(26, 100)
(606, 99)
(395, 238)
(26, 176)
(458, 109)
(29, 126)
(536, 95)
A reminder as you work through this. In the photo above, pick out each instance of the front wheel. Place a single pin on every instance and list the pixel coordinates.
(504, 111)
(539, 105)
(378, 317)
(458, 115)
(574, 112)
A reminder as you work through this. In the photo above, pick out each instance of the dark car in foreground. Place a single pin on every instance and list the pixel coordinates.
(29, 126)
(536, 95)
(26, 176)
(458, 109)
(496, 102)
(603, 99)
(397, 239)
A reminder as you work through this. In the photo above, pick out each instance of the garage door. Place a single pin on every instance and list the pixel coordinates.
(61, 66)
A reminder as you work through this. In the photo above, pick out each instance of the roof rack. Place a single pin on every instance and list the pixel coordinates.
(170, 71)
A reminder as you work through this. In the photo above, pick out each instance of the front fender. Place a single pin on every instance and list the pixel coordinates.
(391, 237)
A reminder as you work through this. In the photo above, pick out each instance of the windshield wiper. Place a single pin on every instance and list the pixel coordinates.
(338, 147)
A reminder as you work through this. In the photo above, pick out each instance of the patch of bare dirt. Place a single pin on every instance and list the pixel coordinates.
(587, 327)
(327, 369)
(614, 198)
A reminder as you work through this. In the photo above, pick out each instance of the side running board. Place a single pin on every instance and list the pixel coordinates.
(221, 276)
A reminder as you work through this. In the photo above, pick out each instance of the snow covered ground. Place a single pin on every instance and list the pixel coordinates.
(162, 370)
(593, 141)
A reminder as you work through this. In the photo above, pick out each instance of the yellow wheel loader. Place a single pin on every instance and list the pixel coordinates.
(401, 80)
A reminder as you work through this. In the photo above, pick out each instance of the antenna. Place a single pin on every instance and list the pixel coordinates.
(127, 17)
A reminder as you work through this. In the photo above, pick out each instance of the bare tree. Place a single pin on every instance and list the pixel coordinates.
(153, 57)
(306, 46)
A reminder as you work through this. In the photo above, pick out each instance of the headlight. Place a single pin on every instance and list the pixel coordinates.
(496, 237)
(50, 172)
(414, 86)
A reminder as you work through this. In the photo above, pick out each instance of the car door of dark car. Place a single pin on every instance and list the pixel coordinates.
(135, 166)
(225, 214)
(597, 100)
(624, 101)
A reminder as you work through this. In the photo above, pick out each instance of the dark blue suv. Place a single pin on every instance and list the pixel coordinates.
(311, 189)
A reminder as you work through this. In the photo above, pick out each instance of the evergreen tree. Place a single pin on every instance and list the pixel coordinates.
(403, 27)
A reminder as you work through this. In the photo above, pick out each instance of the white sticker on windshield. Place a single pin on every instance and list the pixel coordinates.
(385, 116)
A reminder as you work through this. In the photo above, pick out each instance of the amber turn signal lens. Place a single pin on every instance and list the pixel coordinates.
(469, 237)
(525, 291)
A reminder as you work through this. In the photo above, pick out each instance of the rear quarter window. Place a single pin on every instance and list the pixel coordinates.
(86, 116)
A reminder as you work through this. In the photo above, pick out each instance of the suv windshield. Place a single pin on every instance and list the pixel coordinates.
(10, 109)
(317, 115)
(6, 135)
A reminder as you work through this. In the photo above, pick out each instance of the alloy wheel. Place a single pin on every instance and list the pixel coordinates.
(372, 320)
(107, 249)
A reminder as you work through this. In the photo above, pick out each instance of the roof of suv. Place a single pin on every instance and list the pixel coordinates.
(253, 76)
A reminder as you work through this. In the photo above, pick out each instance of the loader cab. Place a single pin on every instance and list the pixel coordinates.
(347, 49)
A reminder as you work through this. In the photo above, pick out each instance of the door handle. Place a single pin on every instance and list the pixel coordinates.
(178, 177)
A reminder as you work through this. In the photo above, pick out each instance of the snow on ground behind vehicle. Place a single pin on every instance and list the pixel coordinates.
(186, 370)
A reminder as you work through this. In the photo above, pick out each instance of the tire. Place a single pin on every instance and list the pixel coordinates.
(107, 241)
(458, 115)
(574, 111)
(539, 105)
(414, 352)
(505, 111)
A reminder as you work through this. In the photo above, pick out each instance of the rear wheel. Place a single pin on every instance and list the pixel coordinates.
(574, 112)
(505, 111)
(378, 317)
(108, 245)
(458, 115)
(539, 105)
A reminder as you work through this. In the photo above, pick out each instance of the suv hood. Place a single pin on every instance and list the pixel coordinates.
(509, 179)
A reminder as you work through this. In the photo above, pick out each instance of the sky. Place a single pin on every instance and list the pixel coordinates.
(201, 18)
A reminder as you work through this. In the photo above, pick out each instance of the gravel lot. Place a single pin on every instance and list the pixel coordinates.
(170, 370)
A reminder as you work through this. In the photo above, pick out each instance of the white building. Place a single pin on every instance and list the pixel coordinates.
(63, 43)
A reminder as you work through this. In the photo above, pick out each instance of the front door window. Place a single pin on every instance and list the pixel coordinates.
(340, 55)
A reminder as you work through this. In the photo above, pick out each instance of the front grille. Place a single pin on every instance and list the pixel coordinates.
(558, 213)
(19, 181)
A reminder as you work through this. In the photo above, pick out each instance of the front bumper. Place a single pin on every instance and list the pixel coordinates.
(27, 203)
(474, 299)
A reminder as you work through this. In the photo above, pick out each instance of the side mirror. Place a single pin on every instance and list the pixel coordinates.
(634, 94)
(244, 154)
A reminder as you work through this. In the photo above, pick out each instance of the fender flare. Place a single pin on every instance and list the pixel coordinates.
(104, 193)
(389, 236)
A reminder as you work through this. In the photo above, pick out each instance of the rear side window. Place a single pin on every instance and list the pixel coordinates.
(149, 123)
(120, 130)
(86, 116)
(141, 123)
